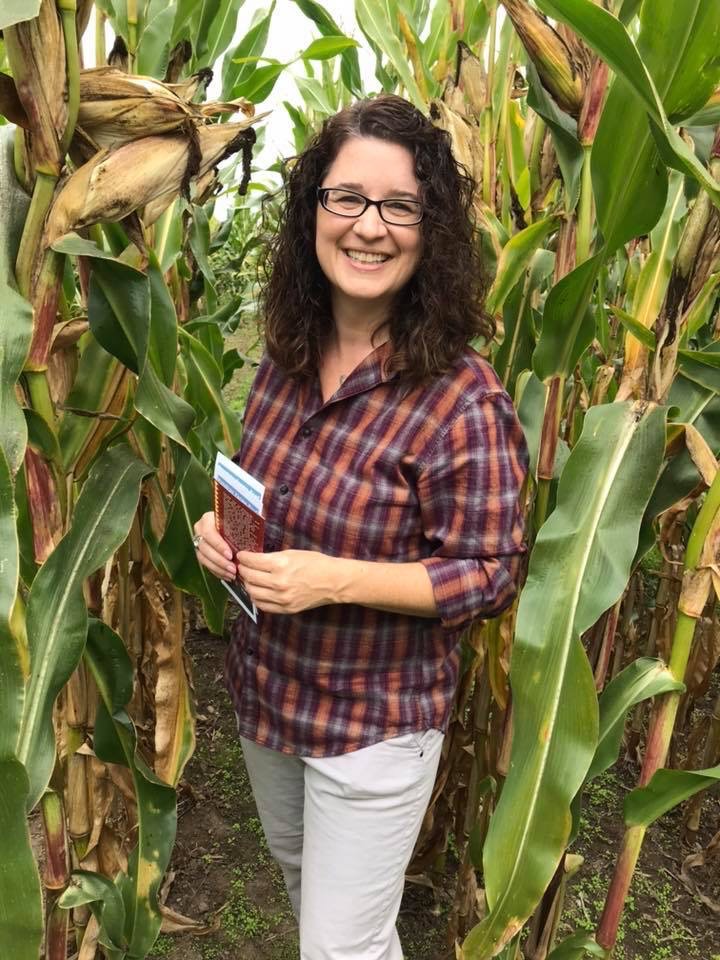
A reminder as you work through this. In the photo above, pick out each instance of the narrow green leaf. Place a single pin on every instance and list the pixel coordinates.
(21, 905)
(260, 85)
(15, 11)
(204, 392)
(325, 48)
(162, 344)
(314, 95)
(375, 21)
(666, 790)
(115, 742)
(578, 946)
(105, 902)
(13, 657)
(192, 497)
(578, 569)
(199, 238)
(563, 130)
(16, 326)
(153, 51)
(515, 258)
(168, 412)
(641, 333)
(568, 324)
(222, 30)
(350, 70)
(56, 611)
(237, 76)
(641, 680)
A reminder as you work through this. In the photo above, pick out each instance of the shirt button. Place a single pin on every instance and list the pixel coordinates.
(284, 488)
(250, 651)
(306, 432)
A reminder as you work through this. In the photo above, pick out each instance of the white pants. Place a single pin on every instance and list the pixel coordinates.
(343, 831)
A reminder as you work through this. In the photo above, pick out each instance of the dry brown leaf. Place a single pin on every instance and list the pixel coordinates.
(701, 454)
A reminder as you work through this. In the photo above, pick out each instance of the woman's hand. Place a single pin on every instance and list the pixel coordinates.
(290, 580)
(214, 552)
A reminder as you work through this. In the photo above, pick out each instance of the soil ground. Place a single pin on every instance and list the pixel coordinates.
(224, 875)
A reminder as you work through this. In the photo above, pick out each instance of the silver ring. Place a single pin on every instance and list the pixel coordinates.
(197, 540)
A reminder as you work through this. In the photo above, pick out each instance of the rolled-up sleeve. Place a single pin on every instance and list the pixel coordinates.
(469, 492)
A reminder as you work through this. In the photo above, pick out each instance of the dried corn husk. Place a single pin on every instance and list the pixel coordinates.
(114, 184)
(36, 52)
(116, 107)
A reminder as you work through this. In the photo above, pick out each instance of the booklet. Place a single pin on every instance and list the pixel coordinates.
(238, 500)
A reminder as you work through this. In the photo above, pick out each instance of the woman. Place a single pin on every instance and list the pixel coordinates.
(392, 460)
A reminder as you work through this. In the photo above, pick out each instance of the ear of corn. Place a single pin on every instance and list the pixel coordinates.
(559, 71)
(115, 183)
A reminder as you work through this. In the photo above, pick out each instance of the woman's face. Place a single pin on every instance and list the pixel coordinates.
(366, 260)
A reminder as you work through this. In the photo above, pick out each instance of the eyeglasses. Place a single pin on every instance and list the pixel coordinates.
(394, 210)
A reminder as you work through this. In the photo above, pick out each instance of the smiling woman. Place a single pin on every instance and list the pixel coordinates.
(392, 460)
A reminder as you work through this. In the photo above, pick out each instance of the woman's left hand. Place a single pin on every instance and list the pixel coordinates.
(289, 581)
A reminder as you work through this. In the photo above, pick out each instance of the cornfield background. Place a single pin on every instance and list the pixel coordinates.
(593, 131)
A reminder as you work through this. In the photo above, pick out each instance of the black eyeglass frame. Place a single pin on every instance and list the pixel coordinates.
(322, 193)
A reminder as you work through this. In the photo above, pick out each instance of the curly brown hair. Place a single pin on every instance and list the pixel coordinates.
(440, 308)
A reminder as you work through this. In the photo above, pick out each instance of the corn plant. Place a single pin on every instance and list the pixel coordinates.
(112, 407)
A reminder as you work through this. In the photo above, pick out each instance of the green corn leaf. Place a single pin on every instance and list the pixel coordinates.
(579, 568)
(607, 35)
(563, 130)
(314, 95)
(205, 392)
(21, 905)
(640, 680)
(375, 20)
(236, 76)
(350, 69)
(192, 498)
(568, 325)
(106, 904)
(666, 790)
(15, 11)
(17, 316)
(153, 52)
(641, 333)
(577, 947)
(115, 742)
(13, 656)
(699, 406)
(56, 611)
(327, 47)
(515, 258)
(221, 32)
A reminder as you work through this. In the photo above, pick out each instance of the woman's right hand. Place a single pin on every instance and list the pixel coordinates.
(213, 552)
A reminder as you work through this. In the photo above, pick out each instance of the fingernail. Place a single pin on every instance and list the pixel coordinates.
(228, 554)
(230, 571)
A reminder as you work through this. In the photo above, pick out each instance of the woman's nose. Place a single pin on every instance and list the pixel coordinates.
(370, 224)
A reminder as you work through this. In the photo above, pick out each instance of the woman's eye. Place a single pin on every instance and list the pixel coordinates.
(398, 206)
(348, 199)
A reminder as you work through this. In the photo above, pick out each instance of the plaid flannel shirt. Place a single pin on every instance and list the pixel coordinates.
(377, 473)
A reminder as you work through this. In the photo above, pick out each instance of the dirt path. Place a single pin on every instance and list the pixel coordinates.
(223, 873)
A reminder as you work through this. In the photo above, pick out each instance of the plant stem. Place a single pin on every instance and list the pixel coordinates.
(585, 209)
(68, 9)
(488, 124)
(32, 231)
(100, 51)
(548, 447)
(132, 20)
(661, 725)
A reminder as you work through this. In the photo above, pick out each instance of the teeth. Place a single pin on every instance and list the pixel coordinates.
(367, 257)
